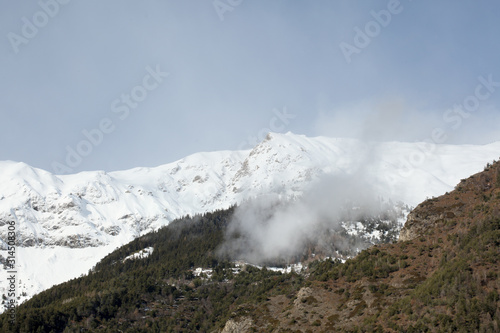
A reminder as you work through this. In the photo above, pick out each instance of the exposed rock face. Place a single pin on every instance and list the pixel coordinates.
(415, 226)
(302, 295)
(424, 218)
(241, 326)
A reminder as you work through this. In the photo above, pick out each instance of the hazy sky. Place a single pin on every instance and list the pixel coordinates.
(116, 84)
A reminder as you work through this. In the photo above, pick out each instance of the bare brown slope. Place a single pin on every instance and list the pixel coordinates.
(443, 275)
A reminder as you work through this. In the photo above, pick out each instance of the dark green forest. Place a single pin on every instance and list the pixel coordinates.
(157, 293)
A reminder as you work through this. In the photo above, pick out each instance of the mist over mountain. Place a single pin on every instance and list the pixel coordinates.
(267, 229)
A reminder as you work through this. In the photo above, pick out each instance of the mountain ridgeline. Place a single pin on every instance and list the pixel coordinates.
(441, 276)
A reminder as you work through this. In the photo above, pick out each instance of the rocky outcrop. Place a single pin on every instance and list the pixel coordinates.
(415, 226)
(303, 296)
(241, 326)
(424, 217)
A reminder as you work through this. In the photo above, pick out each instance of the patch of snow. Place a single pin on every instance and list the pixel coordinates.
(203, 272)
(140, 254)
(297, 268)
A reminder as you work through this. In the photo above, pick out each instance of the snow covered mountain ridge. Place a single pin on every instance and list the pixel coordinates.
(98, 208)
(82, 217)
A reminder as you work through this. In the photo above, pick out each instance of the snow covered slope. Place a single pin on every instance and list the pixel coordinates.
(58, 216)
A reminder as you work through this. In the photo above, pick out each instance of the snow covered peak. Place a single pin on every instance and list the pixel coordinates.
(98, 208)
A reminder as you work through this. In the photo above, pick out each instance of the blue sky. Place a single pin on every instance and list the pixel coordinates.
(127, 83)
